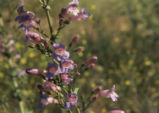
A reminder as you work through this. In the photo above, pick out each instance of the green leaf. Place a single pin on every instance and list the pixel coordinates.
(75, 90)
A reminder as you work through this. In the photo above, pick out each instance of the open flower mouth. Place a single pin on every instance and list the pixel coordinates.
(72, 99)
(73, 11)
(53, 69)
(59, 51)
(66, 64)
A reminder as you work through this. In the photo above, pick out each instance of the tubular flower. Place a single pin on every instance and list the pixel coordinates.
(72, 12)
(74, 40)
(72, 100)
(52, 70)
(45, 100)
(35, 71)
(66, 79)
(109, 93)
(48, 86)
(33, 37)
(91, 60)
(27, 19)
(67, 65)
(116, 111)
(60, 52)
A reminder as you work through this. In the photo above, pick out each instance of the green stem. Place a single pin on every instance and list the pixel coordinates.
(78, 110)
(21, 105)
(45, 6)
(70, 111)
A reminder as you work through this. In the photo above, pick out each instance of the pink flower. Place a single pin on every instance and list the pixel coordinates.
(35, 71)
(48, 86)
(116, 111)
(74, 40)
(91, 60)
(109, 93)
(66, 79)
(91, 66)
(33, 37)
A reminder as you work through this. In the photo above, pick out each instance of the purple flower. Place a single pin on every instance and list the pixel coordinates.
(52, 70)
(67, 65)
(45, 100)
(48, 86)
(91, 60)
(81, 16)
(116, 111)
(72, 100)
(74, 3)
(60, 52)
(35, 71)
(74, 40)
(109, 93)
(66, 78)
(33, 37)
(27, 19)
(72, 12)
(72, 9)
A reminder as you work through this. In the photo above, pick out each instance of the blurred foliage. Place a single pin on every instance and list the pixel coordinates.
(123, 34)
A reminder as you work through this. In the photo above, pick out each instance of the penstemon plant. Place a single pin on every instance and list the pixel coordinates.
(61, 74)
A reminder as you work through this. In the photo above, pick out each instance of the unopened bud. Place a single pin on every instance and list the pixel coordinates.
(96, 97)
(78, 74)
(91, 60)
(34, 71)
(78, 49)
(91, 66)
(74, 40)
(97, 90)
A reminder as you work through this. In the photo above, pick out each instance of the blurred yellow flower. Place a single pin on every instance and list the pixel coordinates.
(86, 73)
(127, 82)
(1, 75)
(46, 111)
(83, 32)
(80, 54)
(93, 7)
(17, 45)
(23, 61)
(116, 40)
(84, 42)
(6, 66)
(147, 62)
(93, 85)
(82, 80)
(25, 92)
(55, 31)
(130, 62)
(32, 55)
(104, 110)
(91, 17)
(91, 112)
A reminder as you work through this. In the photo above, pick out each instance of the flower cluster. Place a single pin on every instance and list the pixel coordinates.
(61, 74)
(72, 12)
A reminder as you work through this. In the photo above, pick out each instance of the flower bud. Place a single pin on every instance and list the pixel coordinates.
(97, 90)
(91, 60)
(91, 66)
(96, 97)
(78, 74)
(74, 40)
(34, 71)
(78, 49)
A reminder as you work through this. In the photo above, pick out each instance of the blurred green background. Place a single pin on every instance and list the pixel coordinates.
(124, 34)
